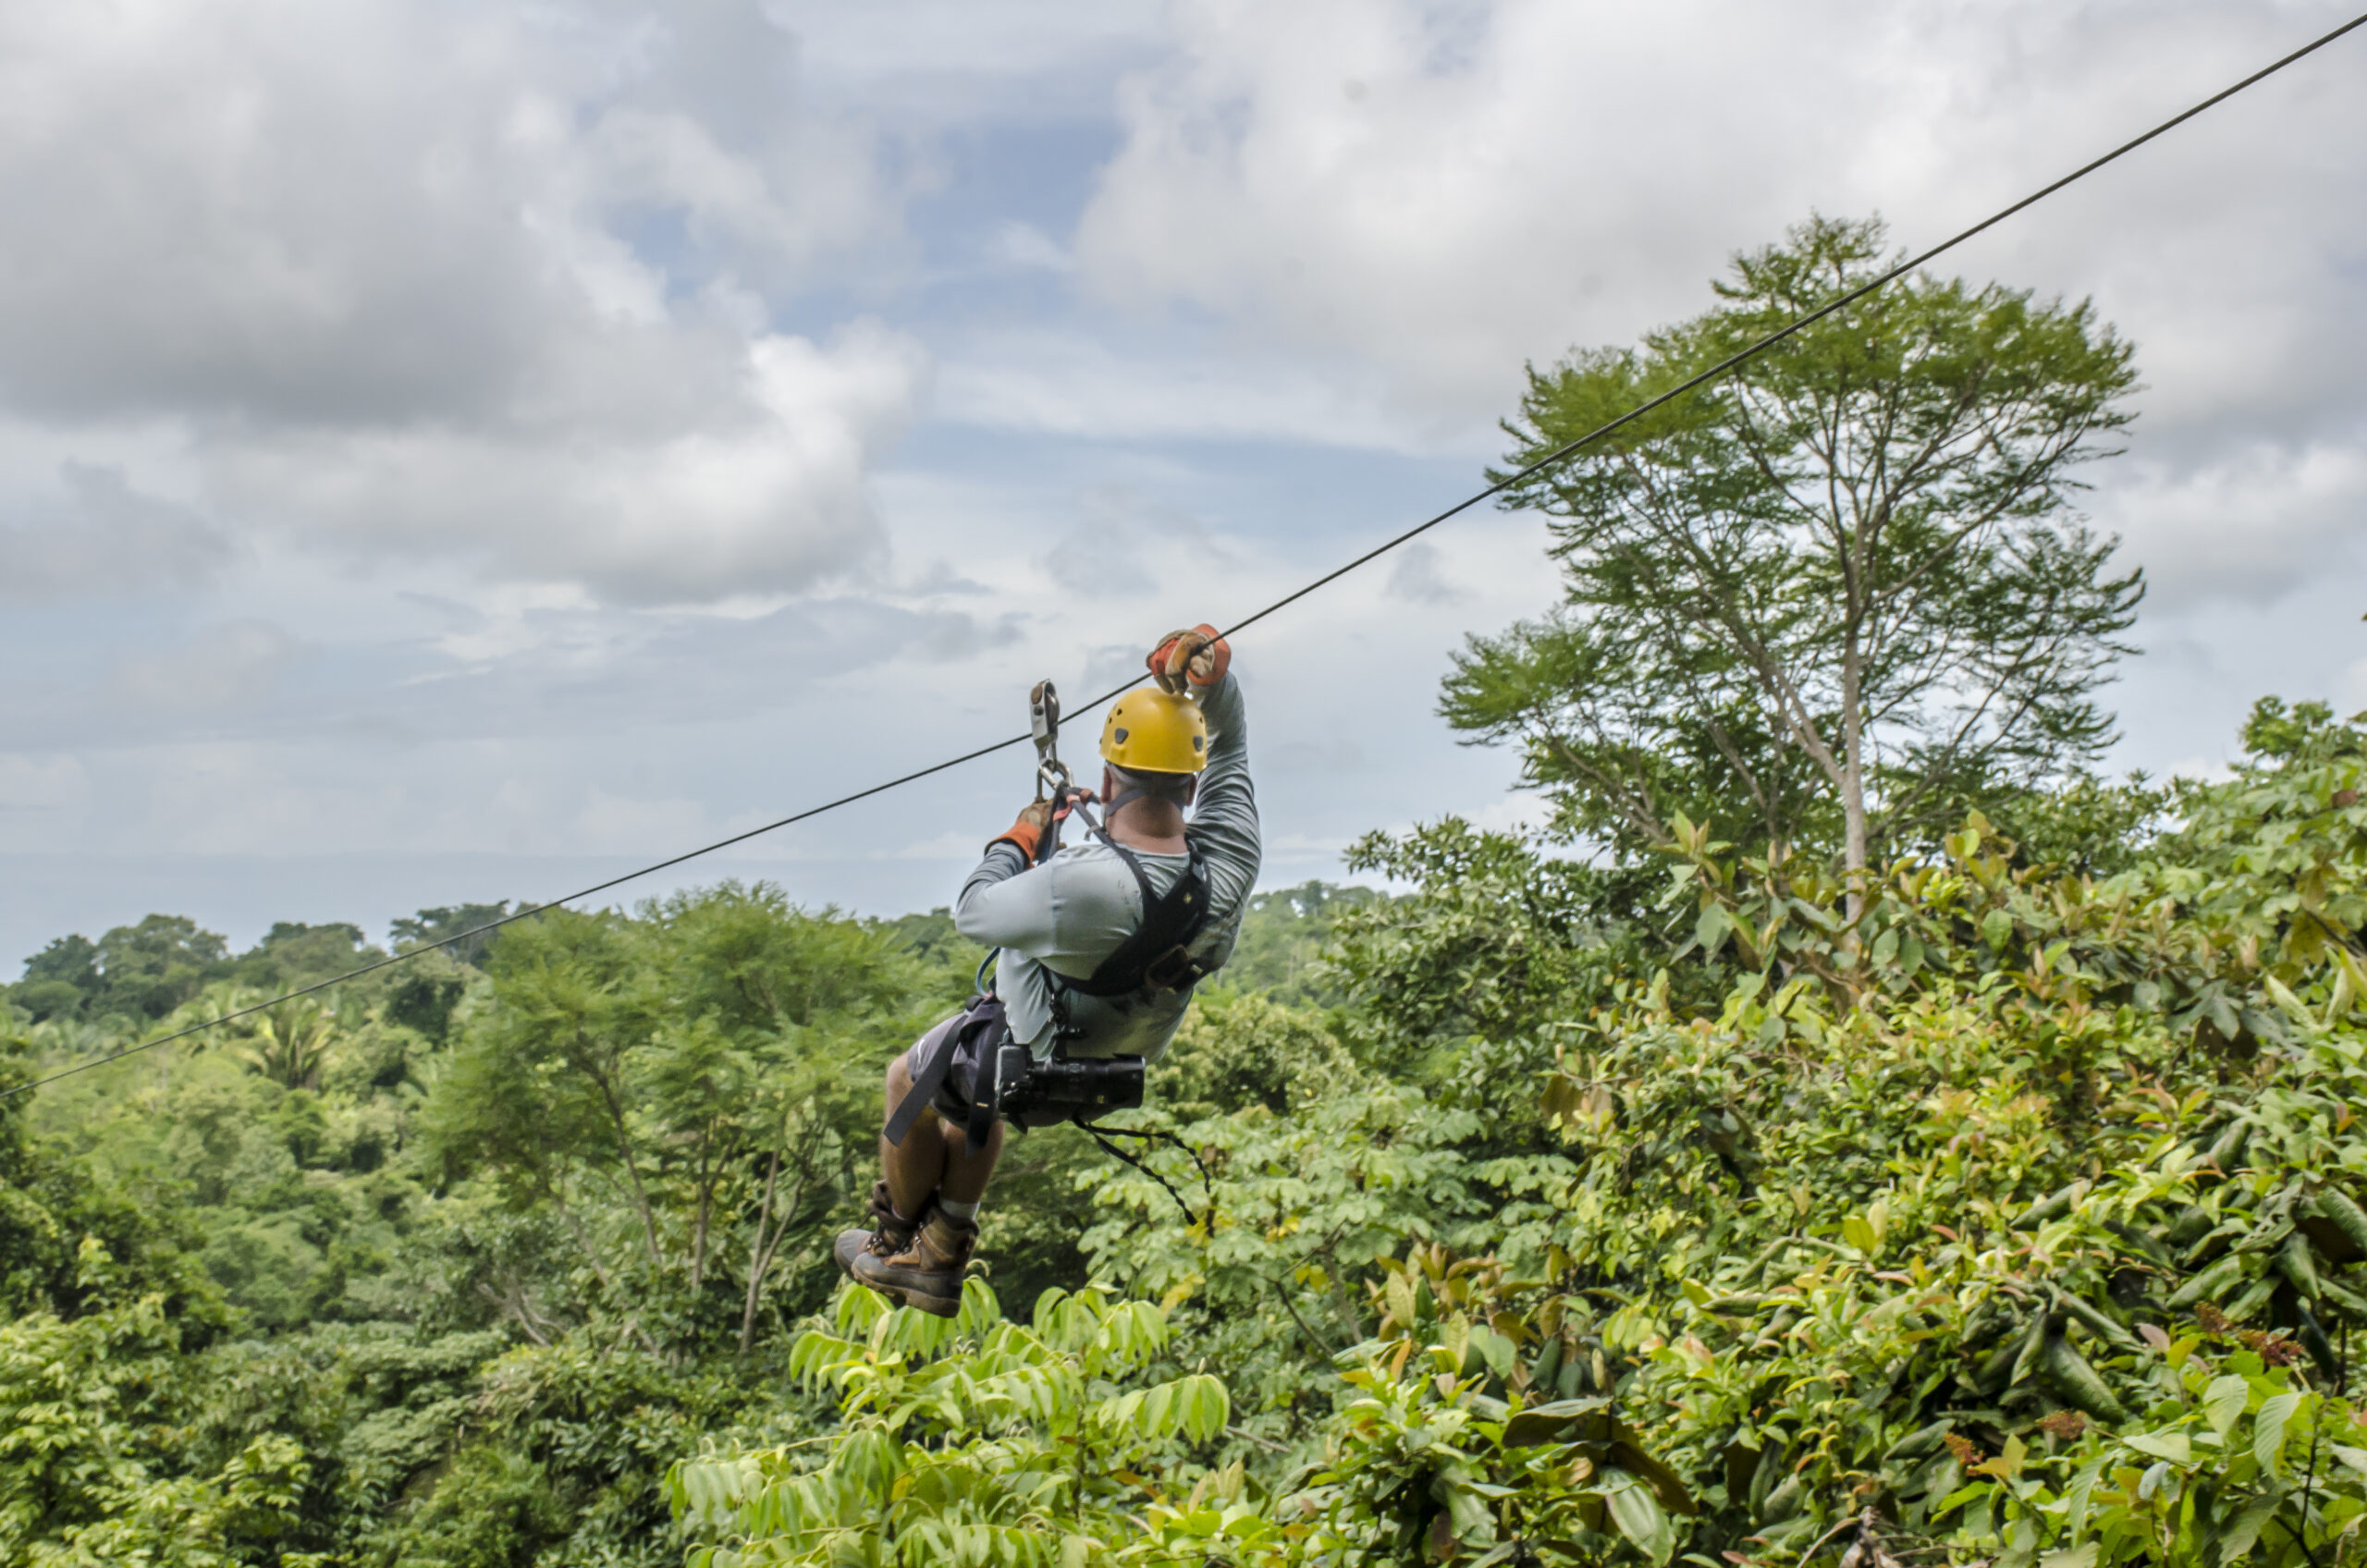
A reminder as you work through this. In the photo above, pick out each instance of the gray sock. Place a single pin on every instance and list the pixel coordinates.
(962, 1211)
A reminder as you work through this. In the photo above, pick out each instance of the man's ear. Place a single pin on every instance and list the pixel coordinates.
(1109, 785)
(1191, 791)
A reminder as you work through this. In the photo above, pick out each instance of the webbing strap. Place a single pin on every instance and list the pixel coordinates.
(937, 1047)
(1134, 864)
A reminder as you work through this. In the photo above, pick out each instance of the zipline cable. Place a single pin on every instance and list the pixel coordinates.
(1559, 455)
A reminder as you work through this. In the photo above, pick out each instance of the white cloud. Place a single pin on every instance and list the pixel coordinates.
(1023, 245)
(1420, 577)
(2244, 525)
(494, 280)
(1124, 542)
(959, 62)
(43, 799)
(617, 823)
(2351, 690)
(97, 535)
(1442, 190)
(1065, 383)
(224, 666)
(767, 490)
(953, 846)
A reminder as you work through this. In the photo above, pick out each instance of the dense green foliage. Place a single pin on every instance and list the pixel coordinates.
(1553, 1215)
(447, 1266)
(2009, 1217)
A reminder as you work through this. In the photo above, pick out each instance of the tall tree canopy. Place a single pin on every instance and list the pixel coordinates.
(1831, 595)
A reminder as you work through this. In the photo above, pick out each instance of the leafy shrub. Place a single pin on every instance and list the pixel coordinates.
(969, 1440)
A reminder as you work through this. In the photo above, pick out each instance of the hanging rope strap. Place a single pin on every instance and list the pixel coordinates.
(1207, 1221)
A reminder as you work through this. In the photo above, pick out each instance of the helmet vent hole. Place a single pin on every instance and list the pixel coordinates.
(1120, 737)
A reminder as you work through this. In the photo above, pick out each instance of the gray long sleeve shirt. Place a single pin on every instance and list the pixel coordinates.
(1073, 911)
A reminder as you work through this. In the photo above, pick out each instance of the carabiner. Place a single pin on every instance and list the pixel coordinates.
(1044, 723)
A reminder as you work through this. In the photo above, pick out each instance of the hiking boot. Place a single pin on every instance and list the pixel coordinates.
(927, 1273)
(889, 1234)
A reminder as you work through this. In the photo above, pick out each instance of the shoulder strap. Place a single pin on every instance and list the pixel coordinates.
(1134, 864)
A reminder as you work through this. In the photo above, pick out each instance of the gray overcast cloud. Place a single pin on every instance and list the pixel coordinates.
(485, 438)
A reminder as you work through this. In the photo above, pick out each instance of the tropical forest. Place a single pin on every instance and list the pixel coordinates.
(1849, 1126)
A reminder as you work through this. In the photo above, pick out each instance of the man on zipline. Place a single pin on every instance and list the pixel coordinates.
(1099, 944)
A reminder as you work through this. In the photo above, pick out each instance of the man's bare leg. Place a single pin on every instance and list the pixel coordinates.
(934, 1158)
(918, 1252)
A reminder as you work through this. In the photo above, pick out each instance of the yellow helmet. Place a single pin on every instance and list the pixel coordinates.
(1154, 731)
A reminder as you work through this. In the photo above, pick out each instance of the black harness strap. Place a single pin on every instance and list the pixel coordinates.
(1154, 953)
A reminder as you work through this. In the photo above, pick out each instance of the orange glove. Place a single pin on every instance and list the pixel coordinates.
(1034, 817)
(1198, 655)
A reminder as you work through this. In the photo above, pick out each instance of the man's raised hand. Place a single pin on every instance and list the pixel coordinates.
(1028, 831)
(1196, 656)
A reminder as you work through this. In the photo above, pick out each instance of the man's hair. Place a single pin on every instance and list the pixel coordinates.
(1174, 787)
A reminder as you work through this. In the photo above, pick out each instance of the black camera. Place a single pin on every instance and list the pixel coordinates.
(1039, 1094)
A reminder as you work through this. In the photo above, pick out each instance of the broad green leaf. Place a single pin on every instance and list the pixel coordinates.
(1553, 1423)
(2224, 1401)
(1711, 929)
(2268, 1429)
(1638, 1514)
(2075, 1498)
(2245, 1531)
(2172, 1446)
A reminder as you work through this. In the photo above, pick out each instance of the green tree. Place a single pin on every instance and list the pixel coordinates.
(447, 921)
(976, 1442)
(686, 1092)
(1828, 596)
(1284, 931)
(291, 1041)
(1499, 938)
(60, 979)
(292, 954)
(147, 970)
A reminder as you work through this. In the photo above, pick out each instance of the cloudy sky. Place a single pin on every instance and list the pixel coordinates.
(455, 448)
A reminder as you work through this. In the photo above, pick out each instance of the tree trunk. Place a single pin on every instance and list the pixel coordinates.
(1852, 774)
(624, 1151)
(760, 1255)
(708, 1176)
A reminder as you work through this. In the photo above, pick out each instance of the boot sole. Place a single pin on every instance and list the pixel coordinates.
(933, 1302)
(936, 1307)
